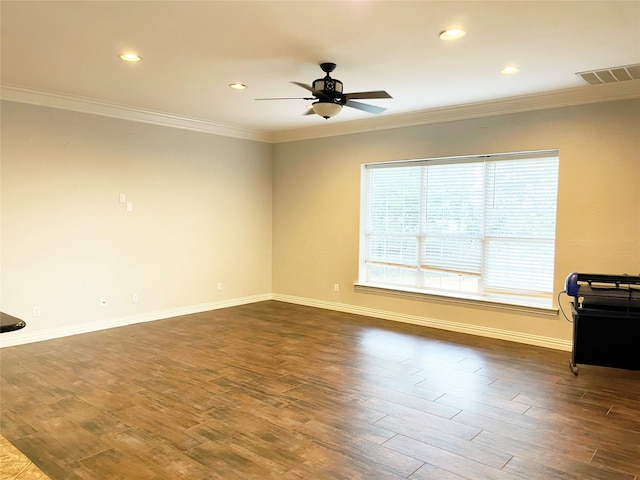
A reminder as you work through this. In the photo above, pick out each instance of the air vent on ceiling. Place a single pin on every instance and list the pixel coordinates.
(611, 75)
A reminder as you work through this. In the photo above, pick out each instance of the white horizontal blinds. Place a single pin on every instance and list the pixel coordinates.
(471, 224)
(453, 217)
(520, 224)
(394, 200)
(393, 223)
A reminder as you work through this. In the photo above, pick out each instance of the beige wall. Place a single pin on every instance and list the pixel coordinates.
(316, 206)
(264, 220)
(201, 215)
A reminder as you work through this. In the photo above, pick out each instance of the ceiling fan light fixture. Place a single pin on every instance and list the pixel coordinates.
(328, 98)
(326, 109)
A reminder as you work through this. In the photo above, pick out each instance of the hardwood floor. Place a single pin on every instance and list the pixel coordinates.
(279, 391)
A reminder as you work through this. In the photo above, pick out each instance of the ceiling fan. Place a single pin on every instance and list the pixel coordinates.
(329, 99)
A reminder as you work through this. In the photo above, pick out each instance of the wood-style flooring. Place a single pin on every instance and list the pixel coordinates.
(279, 391)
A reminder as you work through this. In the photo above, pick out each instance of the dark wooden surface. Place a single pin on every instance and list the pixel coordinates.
(279, 391)
(9, 323)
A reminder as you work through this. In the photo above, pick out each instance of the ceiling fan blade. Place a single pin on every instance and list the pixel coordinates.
(374, 94)
(286, 98)
(365, 107)
(305, 86)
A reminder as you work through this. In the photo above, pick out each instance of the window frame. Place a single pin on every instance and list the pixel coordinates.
(509, 297)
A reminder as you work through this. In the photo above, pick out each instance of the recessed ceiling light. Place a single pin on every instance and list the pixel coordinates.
(452, 34)
(509, 70)
(238, 86)
(130, 57)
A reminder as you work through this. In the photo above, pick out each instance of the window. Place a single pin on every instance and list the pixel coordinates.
(478, 227)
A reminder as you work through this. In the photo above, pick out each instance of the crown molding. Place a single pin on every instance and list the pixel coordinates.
(584, 95)
(86, 105)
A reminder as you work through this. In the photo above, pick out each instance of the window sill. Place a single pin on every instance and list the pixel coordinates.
(511, 303)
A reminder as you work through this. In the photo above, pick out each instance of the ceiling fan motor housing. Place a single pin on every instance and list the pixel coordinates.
(328, 86)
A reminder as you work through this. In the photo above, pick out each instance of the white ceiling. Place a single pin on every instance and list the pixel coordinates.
(192, 51)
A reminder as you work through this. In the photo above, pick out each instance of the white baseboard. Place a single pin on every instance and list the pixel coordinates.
(512, 336)
(21, 337)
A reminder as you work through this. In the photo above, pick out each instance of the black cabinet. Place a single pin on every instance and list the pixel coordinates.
(606, 338)
(606, 320)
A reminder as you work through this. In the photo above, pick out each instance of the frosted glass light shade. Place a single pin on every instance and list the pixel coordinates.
(326, 109)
